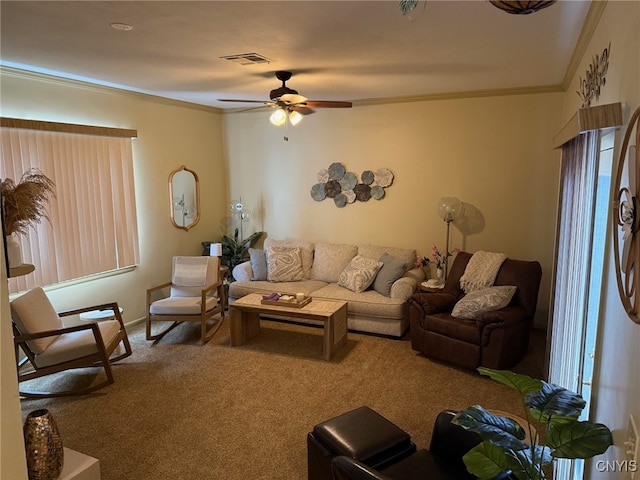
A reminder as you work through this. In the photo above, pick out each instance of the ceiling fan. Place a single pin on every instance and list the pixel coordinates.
(289, 103)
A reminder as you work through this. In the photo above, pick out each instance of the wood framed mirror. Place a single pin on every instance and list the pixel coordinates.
(626, 221)
(184, 195)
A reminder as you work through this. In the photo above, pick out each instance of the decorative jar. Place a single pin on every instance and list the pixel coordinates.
(43, 446)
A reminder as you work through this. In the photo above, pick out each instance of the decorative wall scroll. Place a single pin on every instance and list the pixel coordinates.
(335, 182)
(626, 235)
(595, 78)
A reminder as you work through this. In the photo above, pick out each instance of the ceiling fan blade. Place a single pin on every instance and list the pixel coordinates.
(292, 99)
(243, 101)
(249, 109)
(302, 110)
(328, 104)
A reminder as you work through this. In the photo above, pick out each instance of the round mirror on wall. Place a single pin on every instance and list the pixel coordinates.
(184, 195)
(626, 225)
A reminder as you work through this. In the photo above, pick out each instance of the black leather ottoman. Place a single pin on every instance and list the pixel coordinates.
(362, 434)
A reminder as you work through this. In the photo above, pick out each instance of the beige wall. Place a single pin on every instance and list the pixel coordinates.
(11, 444)
(169, 135)
(493, 153)
(617, 376)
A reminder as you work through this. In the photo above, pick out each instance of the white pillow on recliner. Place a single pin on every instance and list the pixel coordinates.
(486, 300)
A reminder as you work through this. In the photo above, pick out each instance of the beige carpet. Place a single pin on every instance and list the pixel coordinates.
(182, 410)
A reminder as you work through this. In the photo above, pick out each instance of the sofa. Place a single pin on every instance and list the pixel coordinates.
(337, 272)
(494, 335)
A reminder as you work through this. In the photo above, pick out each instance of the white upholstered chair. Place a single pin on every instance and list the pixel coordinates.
(50, 347)
(196, 295)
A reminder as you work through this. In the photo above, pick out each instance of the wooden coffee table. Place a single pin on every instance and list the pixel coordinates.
(245, 319)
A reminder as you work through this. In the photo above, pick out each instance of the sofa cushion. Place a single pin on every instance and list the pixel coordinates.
(368, 303)
(392, 269)
(484, 300)
(284, 264)
(459, 329)
(330, 260)
(375, 251)
(306, 251)
(359, 274)
(258, 259)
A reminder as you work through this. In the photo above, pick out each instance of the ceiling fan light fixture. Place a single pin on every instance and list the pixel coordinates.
(295, 118)
(521, 7)
(278, 117)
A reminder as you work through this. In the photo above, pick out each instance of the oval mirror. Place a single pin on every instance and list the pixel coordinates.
(184, 194)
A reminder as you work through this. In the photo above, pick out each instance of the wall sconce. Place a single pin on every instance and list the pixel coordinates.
(449, 208)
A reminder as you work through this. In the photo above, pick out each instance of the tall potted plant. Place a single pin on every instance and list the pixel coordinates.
(552, 420)
(235, 250)
(24, 206)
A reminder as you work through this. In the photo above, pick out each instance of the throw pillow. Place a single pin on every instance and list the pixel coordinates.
(359, 274)
(392, 269)
(284, 264)
(485, 300)
(258, 259)
(306, 251)
(330, 260)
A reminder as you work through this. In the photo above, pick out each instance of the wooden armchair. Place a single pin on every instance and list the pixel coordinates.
(50, 347)
(188, 302)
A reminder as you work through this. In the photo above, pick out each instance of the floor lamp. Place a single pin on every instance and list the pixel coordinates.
(449, 208)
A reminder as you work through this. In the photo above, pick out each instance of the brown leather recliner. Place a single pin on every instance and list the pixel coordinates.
(496, 339)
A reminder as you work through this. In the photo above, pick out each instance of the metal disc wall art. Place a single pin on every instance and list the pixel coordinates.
(626, 225)
(343, 187)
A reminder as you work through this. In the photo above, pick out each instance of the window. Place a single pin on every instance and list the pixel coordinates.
(587, 163)
(93, 225)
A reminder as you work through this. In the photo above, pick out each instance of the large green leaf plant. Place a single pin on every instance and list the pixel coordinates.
(552, 415)
(235, 250)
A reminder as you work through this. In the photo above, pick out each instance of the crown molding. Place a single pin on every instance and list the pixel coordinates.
(590, 23)
(53, 79)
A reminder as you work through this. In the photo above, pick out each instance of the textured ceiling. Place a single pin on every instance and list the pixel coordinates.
(342, 50)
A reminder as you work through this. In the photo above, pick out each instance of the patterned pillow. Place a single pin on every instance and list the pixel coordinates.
(485, 300)
(359, 274)
(284, 264)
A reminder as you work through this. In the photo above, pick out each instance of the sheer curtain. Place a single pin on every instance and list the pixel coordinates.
(574, 247)
(93, 225)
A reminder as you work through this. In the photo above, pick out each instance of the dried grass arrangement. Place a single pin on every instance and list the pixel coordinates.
(25, 202)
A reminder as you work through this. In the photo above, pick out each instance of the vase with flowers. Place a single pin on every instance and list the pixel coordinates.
(441, 260)
(24, 205)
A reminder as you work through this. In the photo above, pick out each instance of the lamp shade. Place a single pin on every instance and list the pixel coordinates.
(215, 250)
(295, 117)
(278, 117)
(449, 208)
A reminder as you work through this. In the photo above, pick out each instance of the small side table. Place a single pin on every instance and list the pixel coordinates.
(422, 287)
(99, 315)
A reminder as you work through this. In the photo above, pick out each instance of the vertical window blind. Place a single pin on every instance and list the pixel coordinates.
(573, 264)
(93, 226)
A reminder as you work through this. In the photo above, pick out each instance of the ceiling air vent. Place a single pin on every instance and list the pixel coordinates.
(247, 58)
